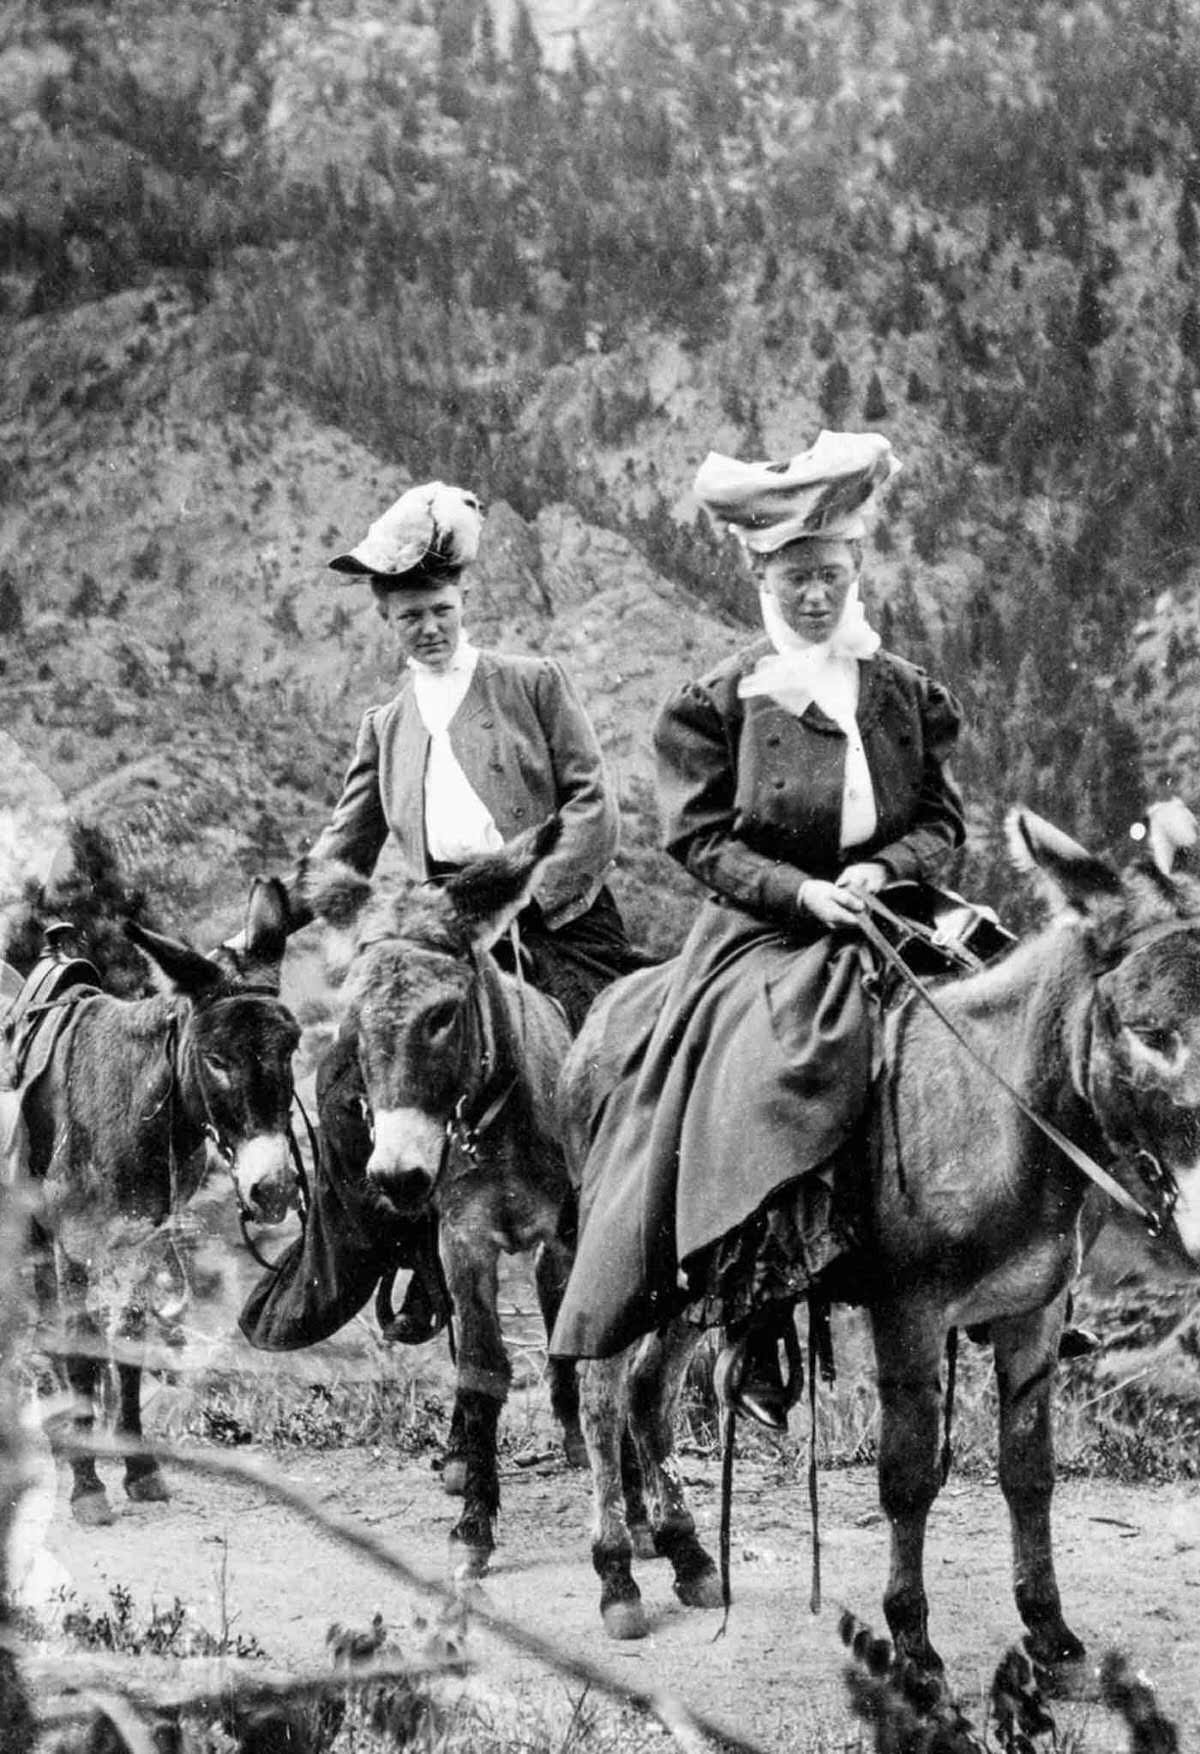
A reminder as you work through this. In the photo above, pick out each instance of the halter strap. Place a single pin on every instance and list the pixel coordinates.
(466, 1128)
(1148, 936)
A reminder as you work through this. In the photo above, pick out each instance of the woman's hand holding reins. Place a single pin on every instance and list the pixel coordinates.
(841, 903)
(865, 879)
(829, 904)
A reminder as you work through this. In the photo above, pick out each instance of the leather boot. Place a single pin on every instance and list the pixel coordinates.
(749, 1377)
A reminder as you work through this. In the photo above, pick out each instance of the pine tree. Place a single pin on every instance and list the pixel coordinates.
(875, 406)
(1187, 233)
(835, 390)
(12, 610)
(1189, 332)
(525, 55)
(486, 56)
(1090, 324)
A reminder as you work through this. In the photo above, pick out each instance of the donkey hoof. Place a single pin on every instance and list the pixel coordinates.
(700, 1589)
(625, 1620)
(148, 1488)
(641, 1539)
(92, 1509)
(574, 1448)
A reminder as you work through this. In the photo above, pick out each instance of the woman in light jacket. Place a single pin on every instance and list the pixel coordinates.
(472, 747)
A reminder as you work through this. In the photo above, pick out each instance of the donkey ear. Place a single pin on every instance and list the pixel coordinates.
(336, 893)
(186, 969)
(490, 892)
(1172, 830)
(1068, 874)
(265, 936)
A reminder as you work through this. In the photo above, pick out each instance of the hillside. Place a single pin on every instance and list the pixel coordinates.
(261, 267)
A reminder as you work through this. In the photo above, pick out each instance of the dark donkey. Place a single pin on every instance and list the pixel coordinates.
(972, 1216)
(121, 1098)
(460, 1063)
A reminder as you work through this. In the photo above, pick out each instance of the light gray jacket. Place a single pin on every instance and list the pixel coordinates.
(527, 746)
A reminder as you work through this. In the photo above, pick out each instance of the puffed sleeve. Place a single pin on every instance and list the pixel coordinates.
(357, 829)
(696, 752)
(937, 827)
(572, 875)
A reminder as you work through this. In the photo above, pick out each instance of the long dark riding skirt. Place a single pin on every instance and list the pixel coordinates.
(717, 1080)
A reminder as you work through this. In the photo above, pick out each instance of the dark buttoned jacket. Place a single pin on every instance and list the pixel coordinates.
(751, 794)
(527, 747)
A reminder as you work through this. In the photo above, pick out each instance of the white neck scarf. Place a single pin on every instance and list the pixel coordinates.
(798, 673)
(458, 824)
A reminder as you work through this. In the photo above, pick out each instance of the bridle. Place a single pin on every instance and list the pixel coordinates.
(1142, 1163)
(212, 1131)
(476, 1111)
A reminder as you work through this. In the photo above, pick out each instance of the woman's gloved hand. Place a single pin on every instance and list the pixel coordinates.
(832, 905)
(865, 879)
(840, 903)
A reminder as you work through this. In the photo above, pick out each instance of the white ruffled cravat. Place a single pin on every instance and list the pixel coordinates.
(799, 674)
(458, 824)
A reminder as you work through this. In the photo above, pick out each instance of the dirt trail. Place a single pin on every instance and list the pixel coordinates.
(1129, 1565)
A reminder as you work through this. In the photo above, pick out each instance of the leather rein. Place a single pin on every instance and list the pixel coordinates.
(1144, 1164)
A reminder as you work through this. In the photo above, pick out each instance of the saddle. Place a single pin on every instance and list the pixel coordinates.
(56, 978)
(938, 932)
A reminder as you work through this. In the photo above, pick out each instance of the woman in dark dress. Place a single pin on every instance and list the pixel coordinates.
(797, 776)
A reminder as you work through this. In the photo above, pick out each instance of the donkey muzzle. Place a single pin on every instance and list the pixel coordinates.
(405, 1155)
(265, 1177)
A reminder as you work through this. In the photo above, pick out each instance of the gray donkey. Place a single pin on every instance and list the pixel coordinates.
(121, 1101)
(969, 1215)
(459, 1064)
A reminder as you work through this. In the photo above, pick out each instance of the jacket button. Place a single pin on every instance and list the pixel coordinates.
(774, 740)
(496, 766)
(487, 724)
(779, 784)
(518, 811)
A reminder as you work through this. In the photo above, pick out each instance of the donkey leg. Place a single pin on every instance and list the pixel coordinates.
(603, 1414)
(656, 1379)
(89, 1501)
(1026, 1349)
(551, 1270)
(908, 1353)
(484, 1374)
(454, 1455)
(637, 1513)
(144, 1481)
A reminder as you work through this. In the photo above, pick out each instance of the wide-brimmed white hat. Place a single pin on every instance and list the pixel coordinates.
(430, 531)
(830, 490)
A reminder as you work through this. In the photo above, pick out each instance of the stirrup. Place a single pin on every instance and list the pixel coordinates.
(766, 1399)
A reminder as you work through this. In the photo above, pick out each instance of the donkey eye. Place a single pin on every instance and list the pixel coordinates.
(439, 1018)
(220, 1069)
(1155, 1036)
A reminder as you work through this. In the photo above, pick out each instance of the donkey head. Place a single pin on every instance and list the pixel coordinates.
(1139, 1046)
(415, 997)
(235, 1049)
